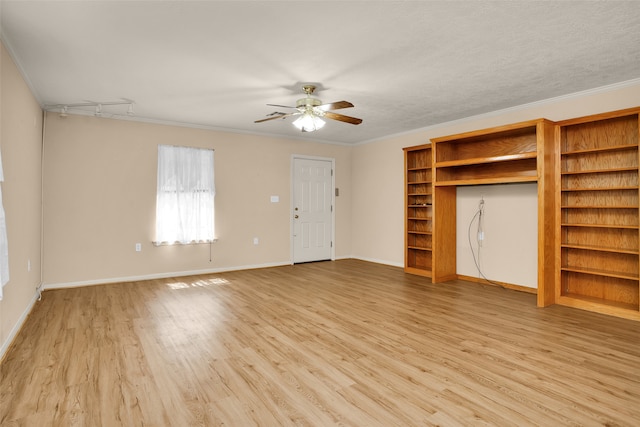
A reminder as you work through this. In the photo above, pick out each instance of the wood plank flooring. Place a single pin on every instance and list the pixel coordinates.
(345, 343)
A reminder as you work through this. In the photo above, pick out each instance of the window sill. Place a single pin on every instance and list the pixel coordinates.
(194, 242)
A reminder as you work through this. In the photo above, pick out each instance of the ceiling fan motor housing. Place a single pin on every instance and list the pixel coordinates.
(308, 102)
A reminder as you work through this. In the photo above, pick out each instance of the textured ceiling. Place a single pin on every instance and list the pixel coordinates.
(404, 64)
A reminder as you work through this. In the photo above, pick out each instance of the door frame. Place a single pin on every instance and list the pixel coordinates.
(333, 202)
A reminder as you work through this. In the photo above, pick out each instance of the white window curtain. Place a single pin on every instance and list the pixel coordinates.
(185, 196)
(4, 243)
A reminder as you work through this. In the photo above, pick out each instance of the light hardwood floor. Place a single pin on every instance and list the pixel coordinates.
(333, 343)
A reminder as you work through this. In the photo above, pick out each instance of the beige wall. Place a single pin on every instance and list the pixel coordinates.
(100, 184)
(20, 142)
(378, 219)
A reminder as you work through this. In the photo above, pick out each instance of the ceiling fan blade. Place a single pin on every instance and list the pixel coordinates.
(281, 106)
(274, 116)
(342, 118)
(335, 105)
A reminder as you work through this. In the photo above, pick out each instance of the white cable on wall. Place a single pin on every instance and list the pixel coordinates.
(479, 239)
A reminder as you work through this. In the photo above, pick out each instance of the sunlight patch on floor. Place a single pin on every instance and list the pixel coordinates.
(198, 283)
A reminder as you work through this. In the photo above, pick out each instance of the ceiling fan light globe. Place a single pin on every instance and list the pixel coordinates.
(318, 122)
(308, 123)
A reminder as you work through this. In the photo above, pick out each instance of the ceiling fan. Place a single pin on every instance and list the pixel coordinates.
(312, 111)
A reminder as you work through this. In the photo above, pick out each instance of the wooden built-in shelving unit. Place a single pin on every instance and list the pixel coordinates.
(521, 152)
(508, 154)
(419, 210)
(598, 227)
(587, 171)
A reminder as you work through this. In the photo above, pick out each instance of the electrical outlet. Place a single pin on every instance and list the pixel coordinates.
(138, 247)
(255, 241)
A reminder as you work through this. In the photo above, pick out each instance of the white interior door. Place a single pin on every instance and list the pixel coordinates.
(312, 205)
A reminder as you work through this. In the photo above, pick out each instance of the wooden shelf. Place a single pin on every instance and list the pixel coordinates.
(601, 248)
(600, 305)
(621, 226)
(601, 301)
(600, 189)
(418, 192)
(504, 154)
(599, 207)
(593, 171)
(601, 149)
(418, 271)
(599, 214)
(483, 160)
(494, 180)
(598, 272)
(520, 170)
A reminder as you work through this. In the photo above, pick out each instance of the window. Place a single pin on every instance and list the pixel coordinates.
(184, 201)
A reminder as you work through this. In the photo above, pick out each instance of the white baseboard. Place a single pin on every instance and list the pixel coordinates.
(105, 281)
(379, 261)
(16, 328)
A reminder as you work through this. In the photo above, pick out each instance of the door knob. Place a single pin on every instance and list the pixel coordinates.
(295, 216)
